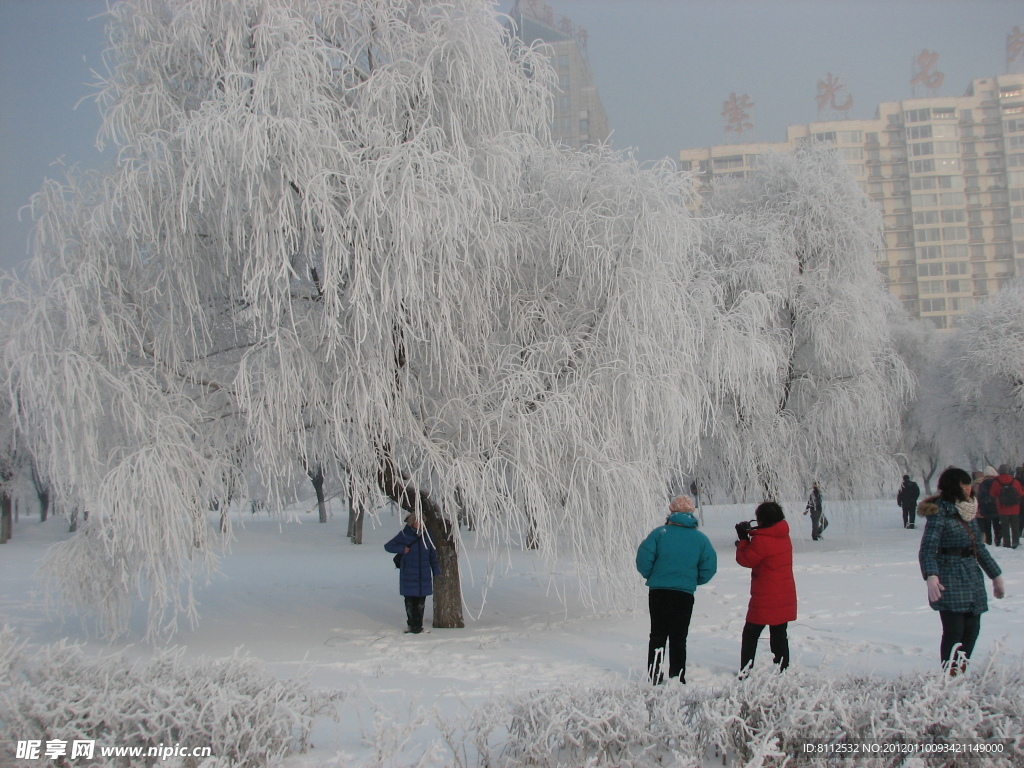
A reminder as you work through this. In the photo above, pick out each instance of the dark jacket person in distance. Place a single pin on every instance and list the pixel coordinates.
(952, 557)
(907, 497)
(418, 568)
(675, 559)
(768, 551)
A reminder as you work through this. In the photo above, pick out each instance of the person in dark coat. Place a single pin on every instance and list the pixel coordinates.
(814, 508)
(988, 515)
(952, 558)
(768, 551)
(675, 559)
(907, 497)
(418, 568)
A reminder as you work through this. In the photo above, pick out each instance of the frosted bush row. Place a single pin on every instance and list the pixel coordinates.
(248, 717)
(764, 720)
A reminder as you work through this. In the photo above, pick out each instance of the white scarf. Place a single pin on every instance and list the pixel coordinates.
(967, 509)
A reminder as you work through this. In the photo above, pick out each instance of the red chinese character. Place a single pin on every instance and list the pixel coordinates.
(565, 25)
(736, 114)
(828, 90)
(926, 62)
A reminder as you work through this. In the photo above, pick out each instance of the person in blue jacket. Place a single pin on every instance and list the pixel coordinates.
(675, 558)
(417, 569)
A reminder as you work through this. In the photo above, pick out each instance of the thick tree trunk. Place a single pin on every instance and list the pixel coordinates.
(316, 475)
(447, 586)
(355, 521)
(5, 518)
(43, 494)
(74, 521)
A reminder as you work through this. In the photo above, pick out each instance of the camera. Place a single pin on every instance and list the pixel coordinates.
(744, 528)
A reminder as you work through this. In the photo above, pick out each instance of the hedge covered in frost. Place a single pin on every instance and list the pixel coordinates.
(759, 721)
(248, 717)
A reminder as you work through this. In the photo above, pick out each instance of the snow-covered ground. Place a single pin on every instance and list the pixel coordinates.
(299, 597)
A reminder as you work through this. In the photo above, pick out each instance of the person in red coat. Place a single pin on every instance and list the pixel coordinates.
(768, 551)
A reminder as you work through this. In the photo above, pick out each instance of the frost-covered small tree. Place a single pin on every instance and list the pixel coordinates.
(922, 439)
(801, 234)
(335, 235)
(986, 363)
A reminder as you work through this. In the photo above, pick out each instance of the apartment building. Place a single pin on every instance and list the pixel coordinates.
(579, 117)
(947, 174)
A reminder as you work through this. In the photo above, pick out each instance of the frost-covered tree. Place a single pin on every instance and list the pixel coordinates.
(923, 446)
(800, 233)
(985, 360)
(335, 235)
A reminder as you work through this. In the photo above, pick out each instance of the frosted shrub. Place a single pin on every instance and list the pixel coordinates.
(764, 720)
(246, 716)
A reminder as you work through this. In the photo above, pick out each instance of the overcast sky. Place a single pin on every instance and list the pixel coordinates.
(663, 69)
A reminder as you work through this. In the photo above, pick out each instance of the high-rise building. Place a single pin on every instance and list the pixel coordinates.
(579, 118)
(947, 174)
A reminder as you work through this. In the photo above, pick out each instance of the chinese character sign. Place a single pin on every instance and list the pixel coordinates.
(736, 112)
(1015, 51)
(828, 94)
(925, 72)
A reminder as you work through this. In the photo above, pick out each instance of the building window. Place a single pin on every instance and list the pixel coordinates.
(922, 166)
(954, 217)
(926, 217)
(732, 161)
(929, 270)
(929, 252)
(918, 115)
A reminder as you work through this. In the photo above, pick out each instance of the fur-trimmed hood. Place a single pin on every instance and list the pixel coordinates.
(928, 506)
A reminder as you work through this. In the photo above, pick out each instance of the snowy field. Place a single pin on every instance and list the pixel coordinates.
(301, 599)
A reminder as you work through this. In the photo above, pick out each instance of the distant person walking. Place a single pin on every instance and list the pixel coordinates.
(814, 508)
(675, 559)
(952, 557)
(907, 497)
(1007, 493)
(988, 515)
(768, 551)
(417, 569)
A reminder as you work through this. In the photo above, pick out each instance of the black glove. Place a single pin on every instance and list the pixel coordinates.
(743, 530)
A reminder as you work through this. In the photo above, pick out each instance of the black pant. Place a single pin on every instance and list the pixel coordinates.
(778, 641)
(909, 515)
(414, 612)
(959, 632)
(997, 530)
(1011, 530)
(671, 610)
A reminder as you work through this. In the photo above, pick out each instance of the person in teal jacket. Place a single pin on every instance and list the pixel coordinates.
(675, 558)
